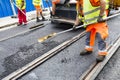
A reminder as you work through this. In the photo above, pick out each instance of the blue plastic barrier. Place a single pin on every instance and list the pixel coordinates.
(6, 10)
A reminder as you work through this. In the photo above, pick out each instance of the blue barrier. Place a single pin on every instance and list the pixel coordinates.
(45, 4)
(6, 10)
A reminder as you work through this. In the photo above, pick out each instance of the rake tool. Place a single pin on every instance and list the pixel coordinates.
(55, 34)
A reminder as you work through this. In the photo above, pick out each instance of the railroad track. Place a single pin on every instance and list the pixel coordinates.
(26, 31)
(97, 67)
(18, 73)
(90, 74)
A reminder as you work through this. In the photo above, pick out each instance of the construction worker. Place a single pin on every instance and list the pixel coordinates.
(54, 2)
(79, 7)
(21, 5)
(37, 4)
(95, 11)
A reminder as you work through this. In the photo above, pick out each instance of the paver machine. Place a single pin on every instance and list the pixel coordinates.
(65, 13)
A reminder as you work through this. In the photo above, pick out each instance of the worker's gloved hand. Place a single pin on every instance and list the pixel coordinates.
(74, 27)
(79, 14)
(100, 19)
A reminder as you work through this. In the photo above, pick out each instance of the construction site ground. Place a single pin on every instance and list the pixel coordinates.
(18, 51)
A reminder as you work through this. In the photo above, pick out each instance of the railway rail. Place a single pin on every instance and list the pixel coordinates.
(89, 74)
(97, 67)
(42, 58)
(32, 28)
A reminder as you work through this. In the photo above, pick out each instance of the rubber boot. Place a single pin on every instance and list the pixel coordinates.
(43, 18)
(19, 24)
(100, 58)
(85, 52)
(37, 19)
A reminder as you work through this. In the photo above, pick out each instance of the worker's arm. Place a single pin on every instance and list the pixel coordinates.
(102, 7)
(79, 8)
(22, 4)
(102, 11)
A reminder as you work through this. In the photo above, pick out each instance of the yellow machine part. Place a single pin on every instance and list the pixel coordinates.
(115, 2)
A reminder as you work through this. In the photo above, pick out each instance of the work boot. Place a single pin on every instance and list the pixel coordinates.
(37, 19)
(100, 58)
(85, 52)
(25, 24)
(19, 24)
(43, 18)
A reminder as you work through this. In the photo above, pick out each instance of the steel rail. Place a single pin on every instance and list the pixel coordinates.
(29, 30)
(18, 73)
(92, 72)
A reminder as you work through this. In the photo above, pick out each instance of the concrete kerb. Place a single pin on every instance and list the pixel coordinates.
(8, 21)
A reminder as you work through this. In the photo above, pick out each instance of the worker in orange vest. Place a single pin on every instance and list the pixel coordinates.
(54, 2)
(21, 5)
(95, 12)
(37, 4)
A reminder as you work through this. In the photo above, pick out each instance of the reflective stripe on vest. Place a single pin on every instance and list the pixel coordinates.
(37, 2)
(90, 13)
(19, 3)
(107, 4)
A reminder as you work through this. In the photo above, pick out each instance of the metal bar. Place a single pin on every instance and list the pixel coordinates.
(87, 24)
(30, 29)
(55, 34)
(101, 65)
(95, 68)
